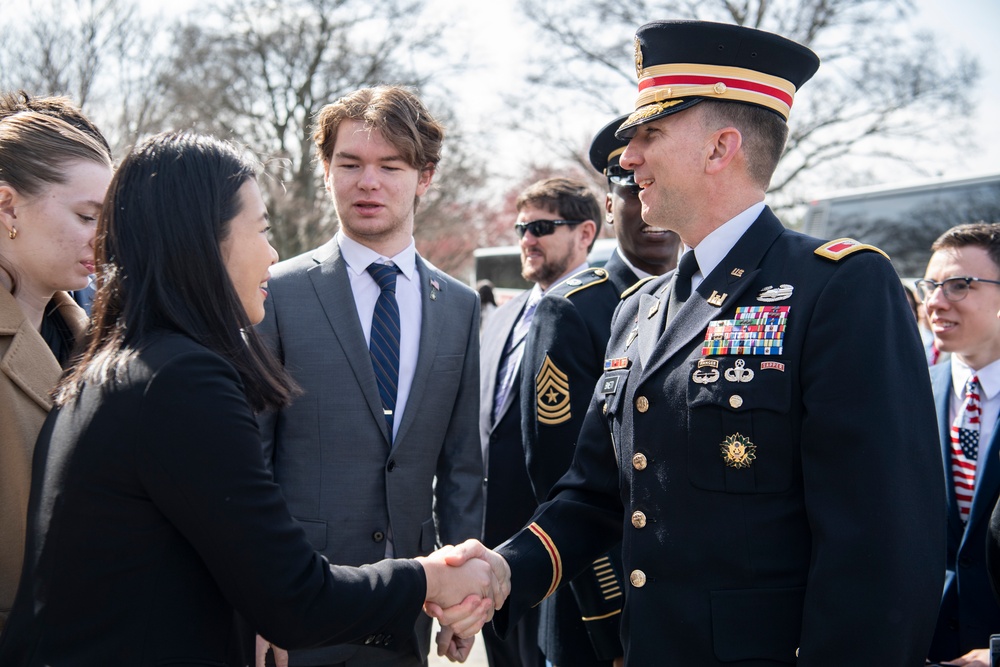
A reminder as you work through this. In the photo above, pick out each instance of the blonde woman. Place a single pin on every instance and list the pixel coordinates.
(53, 177)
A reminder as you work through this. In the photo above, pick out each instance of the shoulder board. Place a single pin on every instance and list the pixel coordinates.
(841, 248)
(636, 286)
(580, 281)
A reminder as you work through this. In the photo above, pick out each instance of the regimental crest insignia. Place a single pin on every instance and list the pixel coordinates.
(638, 58)
(738, 451)
(552, 394)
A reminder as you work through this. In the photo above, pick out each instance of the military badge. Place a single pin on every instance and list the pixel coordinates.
(737, 273)
(770, 294)
(716, 299)
(653, 310)
(738, 451)
(758, 330)
(552, 394)
(615, 364)
(705, 376)
(772, 365)
(739, 373)
(631, 338)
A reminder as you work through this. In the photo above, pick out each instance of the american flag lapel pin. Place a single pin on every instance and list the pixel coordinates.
(435, 288)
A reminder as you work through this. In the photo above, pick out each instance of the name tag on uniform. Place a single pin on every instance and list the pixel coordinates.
(610, 385)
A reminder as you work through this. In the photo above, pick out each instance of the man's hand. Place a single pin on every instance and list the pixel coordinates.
(474, 549)
(979, 657)
(455, 648)
(263, 646)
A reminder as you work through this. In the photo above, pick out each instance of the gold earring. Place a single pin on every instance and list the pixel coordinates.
(12, 233)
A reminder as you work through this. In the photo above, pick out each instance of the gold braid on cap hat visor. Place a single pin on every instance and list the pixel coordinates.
(682, 80)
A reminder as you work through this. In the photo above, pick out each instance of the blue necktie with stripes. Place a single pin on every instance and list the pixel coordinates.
(384, 345)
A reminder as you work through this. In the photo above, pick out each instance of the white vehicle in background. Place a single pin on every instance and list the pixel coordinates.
(502, 266)
(905, 220)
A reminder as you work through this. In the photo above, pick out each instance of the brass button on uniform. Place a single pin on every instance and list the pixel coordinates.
(642, 404)
(605, 408)
(638, 519)
(639, 461)
(638, 578)
(736, 400)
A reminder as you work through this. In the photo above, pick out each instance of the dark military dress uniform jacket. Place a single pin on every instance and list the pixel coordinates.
(563, 357)
(772, 499)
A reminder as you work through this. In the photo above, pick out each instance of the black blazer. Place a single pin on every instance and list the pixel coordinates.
(152, 517)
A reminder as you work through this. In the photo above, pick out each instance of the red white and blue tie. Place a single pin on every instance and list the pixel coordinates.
(965, 447)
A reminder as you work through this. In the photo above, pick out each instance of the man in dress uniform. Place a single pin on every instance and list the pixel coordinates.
(961, 292)
(563, 355)
(557, 221)
(778, 498)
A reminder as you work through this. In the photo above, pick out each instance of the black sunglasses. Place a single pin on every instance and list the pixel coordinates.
(622, 178)
(541, 227)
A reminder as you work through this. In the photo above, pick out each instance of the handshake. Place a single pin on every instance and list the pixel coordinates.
(465, 585)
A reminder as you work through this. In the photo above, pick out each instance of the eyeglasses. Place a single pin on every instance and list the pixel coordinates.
(955, 289)
(623, 179)
(541, 227)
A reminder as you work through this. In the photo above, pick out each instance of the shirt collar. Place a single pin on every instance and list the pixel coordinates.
(359, 256)
(989, 377)
(714, 247)
(639, 273)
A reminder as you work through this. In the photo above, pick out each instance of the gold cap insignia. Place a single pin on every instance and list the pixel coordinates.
(738, 451)
(552, 394)
(638, 58)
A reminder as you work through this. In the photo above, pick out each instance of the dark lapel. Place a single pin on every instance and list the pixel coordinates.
(697, 312)
(941, 382)
(502, 323)
(432, 318)
(333, 289)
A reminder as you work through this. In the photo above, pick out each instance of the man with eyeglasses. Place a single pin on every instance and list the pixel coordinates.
(961, 292)
(557, 222)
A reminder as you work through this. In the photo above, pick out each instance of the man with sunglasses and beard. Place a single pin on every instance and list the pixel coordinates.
(557, 222)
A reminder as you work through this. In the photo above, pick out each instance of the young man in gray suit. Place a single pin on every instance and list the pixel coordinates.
(379, 457)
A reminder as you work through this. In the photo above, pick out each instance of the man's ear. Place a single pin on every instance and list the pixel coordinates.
(588, 232)
(723, 146)
(608, 215)
(424, 180)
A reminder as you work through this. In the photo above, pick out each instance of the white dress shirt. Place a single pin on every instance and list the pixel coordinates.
(714, 247)
(366, 292)
(989, 401)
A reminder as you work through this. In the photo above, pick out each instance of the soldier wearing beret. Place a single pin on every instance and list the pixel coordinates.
(563, 355)
(762, 439)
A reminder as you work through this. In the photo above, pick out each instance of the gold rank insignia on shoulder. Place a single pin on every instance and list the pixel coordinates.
(552, 394)
(841, 248)
(738, 451)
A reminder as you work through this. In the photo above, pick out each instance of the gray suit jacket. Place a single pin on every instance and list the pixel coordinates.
(330, 450)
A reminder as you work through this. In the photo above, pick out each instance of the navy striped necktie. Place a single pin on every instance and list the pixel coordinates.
(384, 345)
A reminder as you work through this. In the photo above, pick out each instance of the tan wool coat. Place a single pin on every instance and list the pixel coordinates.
(28, 374)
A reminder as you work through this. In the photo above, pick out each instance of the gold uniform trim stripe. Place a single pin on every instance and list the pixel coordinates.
(554, 556)
(720, 71)
(602, 616)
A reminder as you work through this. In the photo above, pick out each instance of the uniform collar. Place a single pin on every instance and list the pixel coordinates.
(714, 247)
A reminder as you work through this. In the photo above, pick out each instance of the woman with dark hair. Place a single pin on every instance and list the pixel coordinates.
(152, 515)
(53, 175)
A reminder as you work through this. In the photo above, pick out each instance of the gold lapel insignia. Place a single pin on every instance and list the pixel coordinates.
(653, 310)
(736, 272)
(552, 394)
(631, 338)
(738, 451)
(716, 299)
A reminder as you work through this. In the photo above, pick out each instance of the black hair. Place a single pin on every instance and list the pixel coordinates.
(160, 265)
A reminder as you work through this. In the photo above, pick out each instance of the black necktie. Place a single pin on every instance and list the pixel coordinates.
(682, 284)
(384, 344)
